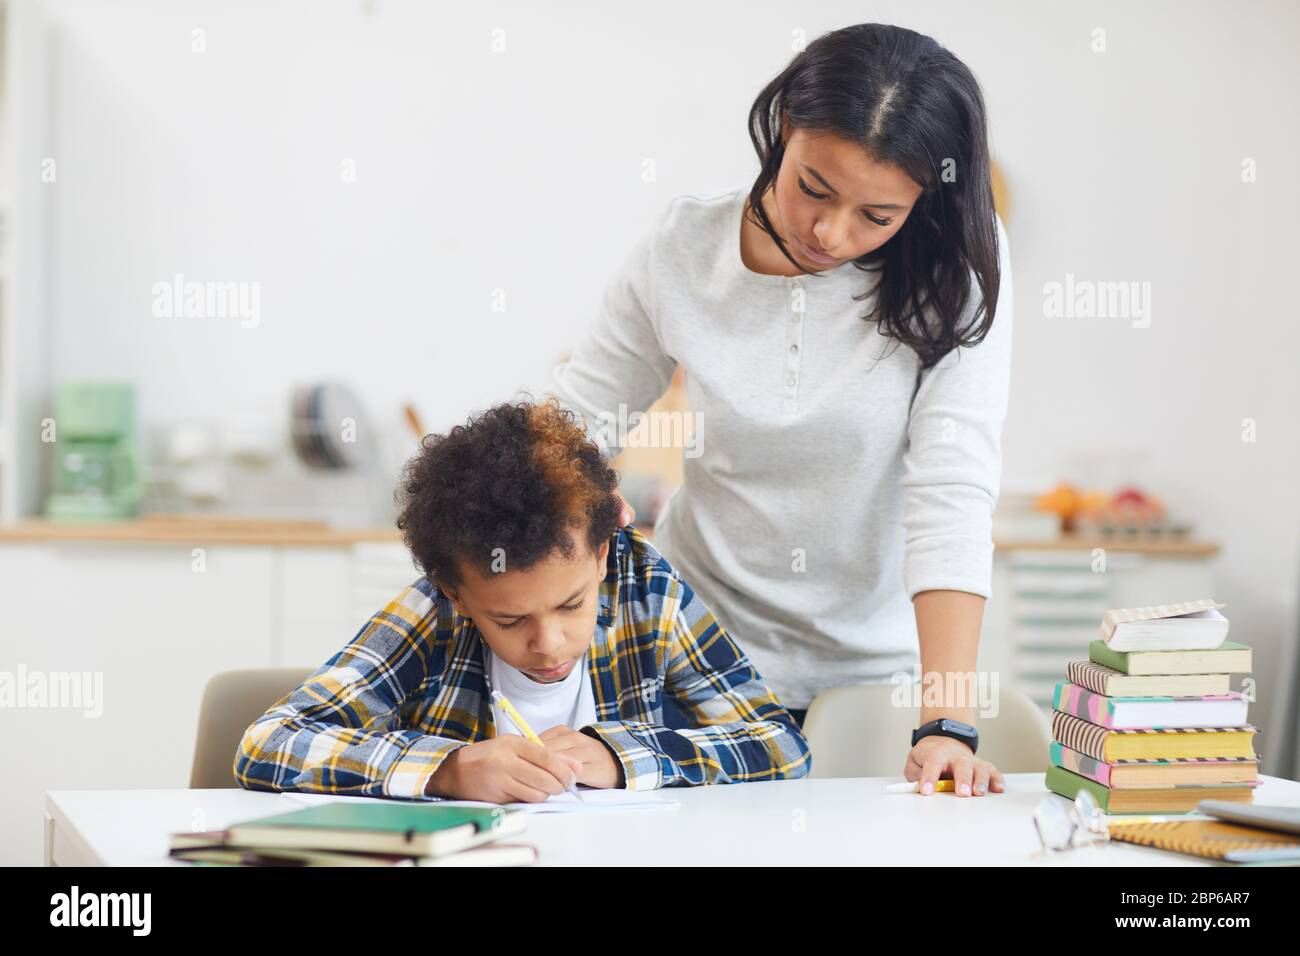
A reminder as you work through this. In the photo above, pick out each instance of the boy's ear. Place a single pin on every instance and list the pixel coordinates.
(603, 553)
(454, 597)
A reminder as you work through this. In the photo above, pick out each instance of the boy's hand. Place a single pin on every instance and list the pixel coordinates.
(505, 769)
(599, 768)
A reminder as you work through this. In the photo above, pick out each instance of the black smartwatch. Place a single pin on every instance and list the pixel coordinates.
(944, 727)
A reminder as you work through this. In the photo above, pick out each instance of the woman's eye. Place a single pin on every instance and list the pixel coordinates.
(804, 186)
(572, 607)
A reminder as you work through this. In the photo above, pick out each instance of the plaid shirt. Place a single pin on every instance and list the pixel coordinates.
(383, 713)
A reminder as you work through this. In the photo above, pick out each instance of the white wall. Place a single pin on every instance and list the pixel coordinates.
(523, 171)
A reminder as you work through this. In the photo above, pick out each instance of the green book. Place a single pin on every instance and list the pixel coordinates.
(1228, 658)
(1176, 799)
(410, 829)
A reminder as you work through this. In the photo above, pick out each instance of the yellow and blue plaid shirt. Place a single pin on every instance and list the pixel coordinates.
(380, 716)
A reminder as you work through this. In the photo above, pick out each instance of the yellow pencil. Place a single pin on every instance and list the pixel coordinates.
(517, 719)
(940, 786)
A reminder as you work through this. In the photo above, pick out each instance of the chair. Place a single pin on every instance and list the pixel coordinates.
(231, 702)
(860, 732)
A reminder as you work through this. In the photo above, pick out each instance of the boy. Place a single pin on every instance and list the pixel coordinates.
(529, 588)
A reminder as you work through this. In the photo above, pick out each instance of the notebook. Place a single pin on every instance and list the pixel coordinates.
(1101, 679)
(594, 800)
(1191, 625)
(1228, 658)
(1212, 840)
(410, 829)
(1147, 745)
(1155, 774)
(1265, 816)
(1168, 800)
(1122, 713)
(209, 849)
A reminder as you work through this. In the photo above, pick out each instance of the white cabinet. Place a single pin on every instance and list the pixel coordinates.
(130, 633)
(315, 603)
(327, 595)
(149, 623)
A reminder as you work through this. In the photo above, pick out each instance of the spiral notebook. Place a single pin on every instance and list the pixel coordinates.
(1212, 840)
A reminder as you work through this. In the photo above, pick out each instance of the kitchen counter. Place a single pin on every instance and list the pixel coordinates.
(233, 530)
(185, 529)
(1121, 544)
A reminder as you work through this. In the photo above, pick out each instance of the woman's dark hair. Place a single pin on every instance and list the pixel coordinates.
(912, 104)
(520, 477)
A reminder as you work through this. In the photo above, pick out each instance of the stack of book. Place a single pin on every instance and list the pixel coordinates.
(364, 834)
(1149, 723)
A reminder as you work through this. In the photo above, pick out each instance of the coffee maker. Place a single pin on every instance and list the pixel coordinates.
(96, 473)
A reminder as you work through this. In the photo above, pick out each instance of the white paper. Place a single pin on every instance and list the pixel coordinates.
(598, 801)
(593, 801)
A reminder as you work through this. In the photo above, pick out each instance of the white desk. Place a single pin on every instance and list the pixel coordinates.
(792, 822)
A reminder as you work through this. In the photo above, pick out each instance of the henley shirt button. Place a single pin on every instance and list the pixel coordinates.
(794, 349)
(790, 381)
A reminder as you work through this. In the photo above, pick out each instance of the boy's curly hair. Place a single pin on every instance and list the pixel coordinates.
(520, 476)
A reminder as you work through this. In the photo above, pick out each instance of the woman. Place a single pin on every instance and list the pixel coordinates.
(836, 324)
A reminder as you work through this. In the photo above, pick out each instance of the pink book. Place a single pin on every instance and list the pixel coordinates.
(1124, 713)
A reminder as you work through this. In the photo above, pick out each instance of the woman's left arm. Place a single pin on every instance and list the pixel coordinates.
(948, 626)
(951, 474)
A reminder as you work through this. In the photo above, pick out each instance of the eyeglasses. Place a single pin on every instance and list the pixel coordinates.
(1066, 826)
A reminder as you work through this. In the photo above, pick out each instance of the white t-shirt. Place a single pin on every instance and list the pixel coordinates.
(834, 478)
(567, 702)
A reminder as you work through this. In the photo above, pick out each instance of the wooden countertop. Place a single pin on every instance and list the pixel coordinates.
(1131, 544)
(186, 529)
(236, 530)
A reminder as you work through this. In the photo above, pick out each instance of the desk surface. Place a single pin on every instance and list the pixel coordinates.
(792, 822)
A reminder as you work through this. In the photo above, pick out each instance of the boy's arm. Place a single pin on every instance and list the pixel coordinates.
(340, 731)
(744, 733)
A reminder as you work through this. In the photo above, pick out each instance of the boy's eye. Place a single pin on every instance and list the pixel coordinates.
(564, 607)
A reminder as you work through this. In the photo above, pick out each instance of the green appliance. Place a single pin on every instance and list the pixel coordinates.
(96, 474)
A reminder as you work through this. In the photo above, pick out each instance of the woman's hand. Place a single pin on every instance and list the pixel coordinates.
(628, 514)
(936, 757)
